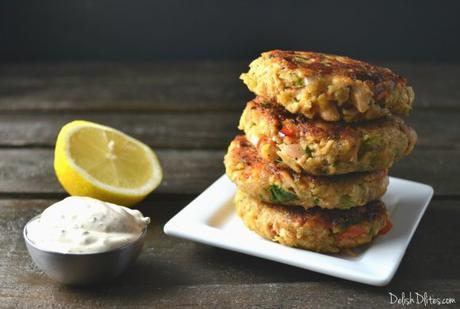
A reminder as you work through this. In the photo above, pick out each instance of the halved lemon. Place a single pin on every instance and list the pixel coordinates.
(100, 162)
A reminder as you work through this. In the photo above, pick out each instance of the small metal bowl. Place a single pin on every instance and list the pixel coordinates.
(84, 269)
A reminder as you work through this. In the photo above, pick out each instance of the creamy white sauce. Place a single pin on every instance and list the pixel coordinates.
(85, 225)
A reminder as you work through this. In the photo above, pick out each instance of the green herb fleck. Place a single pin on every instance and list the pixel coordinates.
(316, 201)
(309, 151)
(371, 231)
(298, 83)
(265, 105)
(397, 153)
(300, 60)
(374, 162)
(349, 219)
(369, 143)
(346, 202)
(279, 195)
(295, 80)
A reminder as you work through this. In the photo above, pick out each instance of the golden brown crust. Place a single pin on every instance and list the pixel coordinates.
(313, 63)
(314, 229)
(328, 86)
(325, 148)
(271, 182)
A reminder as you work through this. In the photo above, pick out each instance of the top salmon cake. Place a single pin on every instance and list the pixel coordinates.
(328, 87)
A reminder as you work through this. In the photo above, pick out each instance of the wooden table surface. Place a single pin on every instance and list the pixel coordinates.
(188, 112)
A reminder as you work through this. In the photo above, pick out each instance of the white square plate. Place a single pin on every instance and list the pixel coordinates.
(211, 219)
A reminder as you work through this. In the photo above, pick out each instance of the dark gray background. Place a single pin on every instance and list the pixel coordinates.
(212, 29)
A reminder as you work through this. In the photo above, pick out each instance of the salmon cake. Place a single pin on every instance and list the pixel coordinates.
(274, 183)
(319, 147)
(316, 229)
(329, 87)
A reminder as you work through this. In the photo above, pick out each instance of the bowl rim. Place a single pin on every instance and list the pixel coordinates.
(35, 246)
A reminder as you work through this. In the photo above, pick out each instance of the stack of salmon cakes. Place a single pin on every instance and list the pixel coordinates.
(320, 136)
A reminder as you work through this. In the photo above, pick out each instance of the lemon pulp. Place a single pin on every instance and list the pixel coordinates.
(104, 163)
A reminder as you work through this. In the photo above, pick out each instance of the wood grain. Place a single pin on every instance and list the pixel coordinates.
(194, 130)
(191, 130)
(31, 170)
(191, 171)
(174, 86)
(136, 86)
(188, 111)
(176, 272)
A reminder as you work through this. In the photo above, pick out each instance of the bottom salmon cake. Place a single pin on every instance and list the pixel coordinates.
(316, 229)
(276, 183)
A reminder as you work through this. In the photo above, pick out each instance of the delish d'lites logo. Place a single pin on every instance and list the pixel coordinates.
(419, 298)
